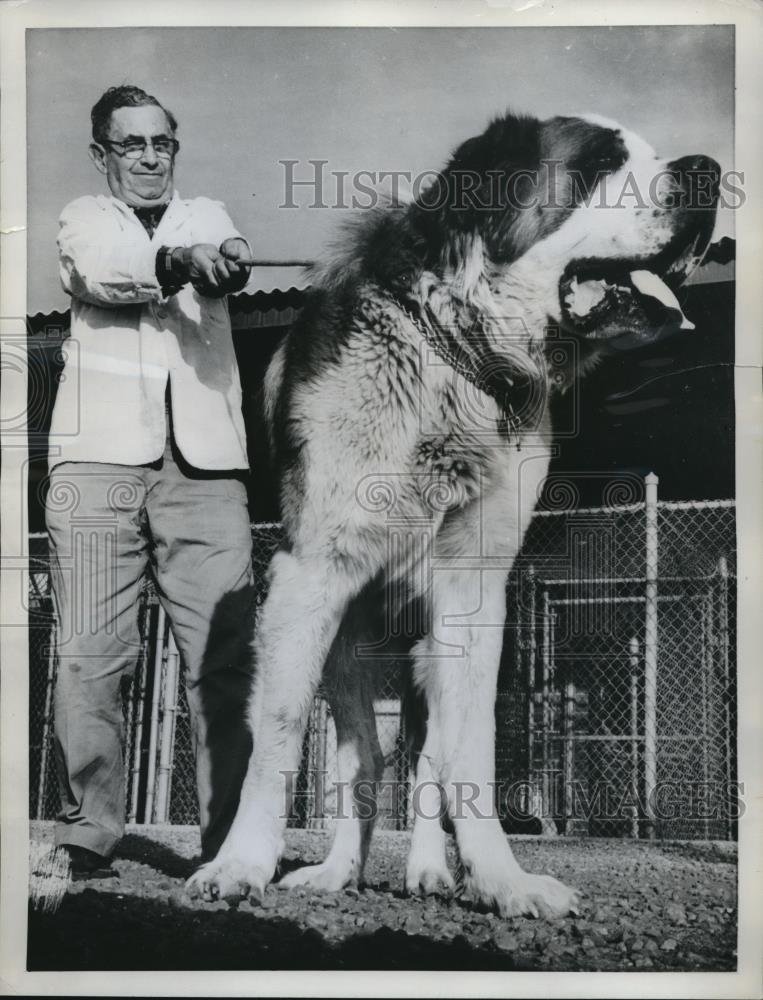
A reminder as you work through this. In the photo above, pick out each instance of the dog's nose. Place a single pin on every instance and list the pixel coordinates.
(694, 166)
(696, 183)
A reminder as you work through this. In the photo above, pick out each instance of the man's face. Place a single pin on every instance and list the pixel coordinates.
(147, 180)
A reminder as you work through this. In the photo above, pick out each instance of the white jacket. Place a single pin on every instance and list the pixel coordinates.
(127, 338)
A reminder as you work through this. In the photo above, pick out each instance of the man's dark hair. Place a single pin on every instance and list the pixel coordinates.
(125, 96)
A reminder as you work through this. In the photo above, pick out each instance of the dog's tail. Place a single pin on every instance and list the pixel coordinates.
(271, 391)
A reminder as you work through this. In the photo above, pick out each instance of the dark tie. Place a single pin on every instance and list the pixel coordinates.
(150, 217)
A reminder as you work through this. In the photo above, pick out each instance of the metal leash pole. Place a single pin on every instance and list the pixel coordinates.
(244, 262)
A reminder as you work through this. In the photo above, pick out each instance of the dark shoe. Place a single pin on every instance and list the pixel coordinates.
(84, 864)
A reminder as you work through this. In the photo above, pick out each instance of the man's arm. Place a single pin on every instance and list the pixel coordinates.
(212, 272)
(210, 265)
(102, 263)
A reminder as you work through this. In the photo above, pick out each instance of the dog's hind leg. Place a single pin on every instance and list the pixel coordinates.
(349, 684)
(427, 870)
(300, 617)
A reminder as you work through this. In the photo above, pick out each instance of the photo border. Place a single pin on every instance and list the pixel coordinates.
(748, 18)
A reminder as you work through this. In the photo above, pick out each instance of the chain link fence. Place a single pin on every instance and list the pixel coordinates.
(624, 629)
(616, 712)
(158, 749)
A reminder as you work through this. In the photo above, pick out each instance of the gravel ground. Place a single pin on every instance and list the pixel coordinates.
(665, 906)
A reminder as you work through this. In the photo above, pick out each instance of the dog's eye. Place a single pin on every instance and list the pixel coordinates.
(608, 164)
(587, 173)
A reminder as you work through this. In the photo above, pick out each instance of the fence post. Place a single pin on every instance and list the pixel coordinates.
(568, 745)
(634, 664)
(650, 654)
(132, 750)
(142, 680)
(167, 736)
(531, 645)
(706, 669)
(315, 811)
(47, 713)
(546, 705)
(148, 813)
(723, 641)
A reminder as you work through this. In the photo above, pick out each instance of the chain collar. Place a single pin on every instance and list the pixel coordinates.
(476, 369)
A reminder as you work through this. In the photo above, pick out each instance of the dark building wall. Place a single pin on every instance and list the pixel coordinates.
(667, 408)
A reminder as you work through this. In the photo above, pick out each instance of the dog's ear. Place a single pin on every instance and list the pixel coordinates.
(484, 185)
(586, 150)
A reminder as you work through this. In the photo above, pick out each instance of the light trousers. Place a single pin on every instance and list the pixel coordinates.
(107, 524)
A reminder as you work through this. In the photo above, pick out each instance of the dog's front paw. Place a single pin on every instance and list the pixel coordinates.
(230, 878)
(526, 895)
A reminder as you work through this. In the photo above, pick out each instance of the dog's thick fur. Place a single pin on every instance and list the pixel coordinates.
(396, 468)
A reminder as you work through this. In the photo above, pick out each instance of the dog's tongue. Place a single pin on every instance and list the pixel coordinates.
(638, 305)
(650, 284)
(584, 295)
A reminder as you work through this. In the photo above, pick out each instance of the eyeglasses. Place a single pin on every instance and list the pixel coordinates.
(133, 149)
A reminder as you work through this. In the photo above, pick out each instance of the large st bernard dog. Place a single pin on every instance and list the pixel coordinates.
(408, 409)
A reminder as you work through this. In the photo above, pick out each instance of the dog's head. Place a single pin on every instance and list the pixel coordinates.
(582, 217)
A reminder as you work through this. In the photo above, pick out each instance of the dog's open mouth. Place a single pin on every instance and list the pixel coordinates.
(631, 299)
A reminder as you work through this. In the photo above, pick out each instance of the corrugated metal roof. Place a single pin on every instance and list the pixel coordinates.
(273, 295)
(260, 307)
(279, 278)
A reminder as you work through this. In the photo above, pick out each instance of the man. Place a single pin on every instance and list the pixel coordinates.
(147, 458)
